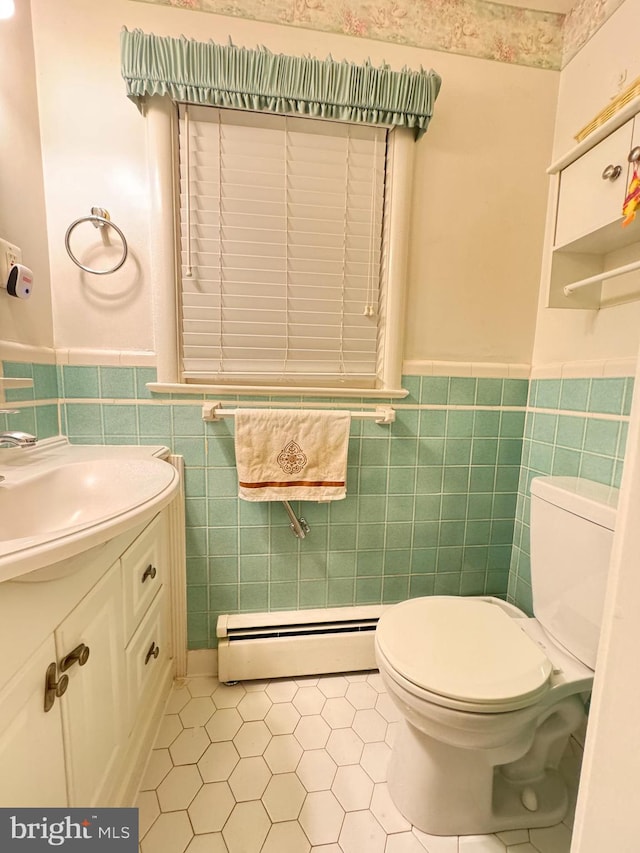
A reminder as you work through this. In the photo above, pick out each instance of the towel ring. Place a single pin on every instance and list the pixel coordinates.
(99, 217)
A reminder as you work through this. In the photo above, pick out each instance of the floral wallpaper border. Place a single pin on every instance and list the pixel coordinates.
(585, 18)
(478, 28)
(470, 27)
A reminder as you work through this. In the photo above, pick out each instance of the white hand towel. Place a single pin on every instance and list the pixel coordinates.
(291, 454)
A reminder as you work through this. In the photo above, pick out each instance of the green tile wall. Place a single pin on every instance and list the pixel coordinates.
(40, 417)
(430, 506)
(431, 503)
(582, 432)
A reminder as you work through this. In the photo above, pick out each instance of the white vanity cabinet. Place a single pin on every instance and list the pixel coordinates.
(104, 634)
(31, 744)
(93, 711)
(585, 233)
(146, 616)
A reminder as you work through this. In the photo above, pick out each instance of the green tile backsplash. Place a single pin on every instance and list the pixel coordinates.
(432, 499)
(40, 417)
(582, 433)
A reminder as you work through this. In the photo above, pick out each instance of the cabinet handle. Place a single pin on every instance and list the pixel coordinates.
(634, 154)
(153, 652)
(611, 172)
(149, 572)
(53, 689)
(79, 655)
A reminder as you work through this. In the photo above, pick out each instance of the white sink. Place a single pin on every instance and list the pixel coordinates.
(56, 505)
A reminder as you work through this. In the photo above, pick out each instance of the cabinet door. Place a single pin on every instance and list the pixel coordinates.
(93, 708)
(31, 751)
(587, 201)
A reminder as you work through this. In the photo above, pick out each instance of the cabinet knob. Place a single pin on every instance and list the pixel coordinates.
(79, 655)
(611, 172)
(153, 652)
(149, 572)
(54, 689)
(634, 154)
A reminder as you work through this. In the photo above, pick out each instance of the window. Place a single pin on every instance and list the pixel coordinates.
(320, 335)
(281, 226)
(281, 233)
(217, 324)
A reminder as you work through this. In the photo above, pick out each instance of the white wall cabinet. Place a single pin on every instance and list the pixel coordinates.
(588, 199)
(589, 249)
(89, 748)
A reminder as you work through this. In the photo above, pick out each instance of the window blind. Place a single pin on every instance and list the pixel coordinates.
(281, 224)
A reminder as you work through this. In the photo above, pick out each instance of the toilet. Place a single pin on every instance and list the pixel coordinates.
(488, 696)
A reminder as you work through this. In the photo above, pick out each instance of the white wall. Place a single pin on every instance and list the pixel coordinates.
(478, 215)
(608, 804)
(479, 200)
(609, 797)
(22, 209)
(587, 84)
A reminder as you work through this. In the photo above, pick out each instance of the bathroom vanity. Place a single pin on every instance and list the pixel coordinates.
(87, 658)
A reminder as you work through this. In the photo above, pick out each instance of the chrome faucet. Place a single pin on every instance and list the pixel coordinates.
(17, 439)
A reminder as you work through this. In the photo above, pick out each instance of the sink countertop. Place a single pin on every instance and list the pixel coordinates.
(58, 500)
(16, 463)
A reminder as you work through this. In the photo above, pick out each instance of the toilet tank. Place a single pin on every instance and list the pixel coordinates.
(572, 523)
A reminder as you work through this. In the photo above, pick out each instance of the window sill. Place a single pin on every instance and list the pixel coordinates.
(275, 391)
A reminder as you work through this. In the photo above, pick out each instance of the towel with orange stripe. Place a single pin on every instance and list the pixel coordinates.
(291, 454)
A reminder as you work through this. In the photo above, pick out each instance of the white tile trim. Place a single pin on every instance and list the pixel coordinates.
(620, 367)
(11, 351)
(600, 416)
(519, 371)
(492, 369)
(9, 382)
(259, 404)
(105, 358)
(32, 404)
(276, 390)
(585, 369)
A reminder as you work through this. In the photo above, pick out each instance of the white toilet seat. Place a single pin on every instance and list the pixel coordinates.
(488, 697)
(475, 657)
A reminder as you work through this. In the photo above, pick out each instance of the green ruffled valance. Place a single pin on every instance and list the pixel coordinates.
(229, 76)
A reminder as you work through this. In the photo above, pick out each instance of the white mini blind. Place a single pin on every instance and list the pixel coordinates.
(281, 232)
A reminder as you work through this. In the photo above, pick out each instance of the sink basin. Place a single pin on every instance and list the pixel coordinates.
(64, 509)
(79, 494)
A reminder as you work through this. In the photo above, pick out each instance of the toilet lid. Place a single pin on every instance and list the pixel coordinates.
(462, 648)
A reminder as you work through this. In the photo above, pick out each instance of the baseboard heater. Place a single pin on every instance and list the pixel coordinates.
(296, 642)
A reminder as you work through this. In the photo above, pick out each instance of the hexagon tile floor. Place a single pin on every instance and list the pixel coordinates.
(293, 766)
